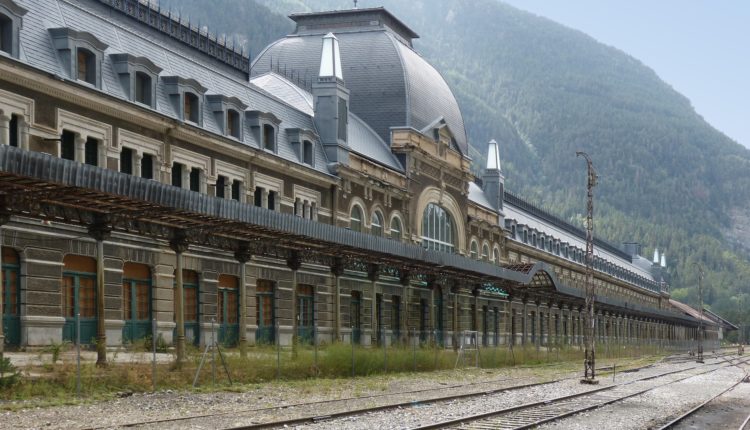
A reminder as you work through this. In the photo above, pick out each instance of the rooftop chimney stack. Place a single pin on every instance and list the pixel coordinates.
(331, 102)
(493, 180)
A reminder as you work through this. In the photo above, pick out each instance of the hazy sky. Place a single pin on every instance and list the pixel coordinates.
(701, 48)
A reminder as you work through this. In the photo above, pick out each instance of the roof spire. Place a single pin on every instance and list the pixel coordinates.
(493, 156)
(330, 58)
(663, 260)
(656, 256)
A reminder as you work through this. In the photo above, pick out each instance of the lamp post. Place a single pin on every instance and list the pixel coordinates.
(590, 356)
(699, 355)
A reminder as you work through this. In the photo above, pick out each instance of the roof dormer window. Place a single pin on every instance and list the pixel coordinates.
(302, 141)
(191, 108)
(186, 96)
(264, 126)
(226, 112)
(10, 25)
(80, 53)
(138, 77)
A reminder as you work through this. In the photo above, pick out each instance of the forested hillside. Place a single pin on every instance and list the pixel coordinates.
(667, 178)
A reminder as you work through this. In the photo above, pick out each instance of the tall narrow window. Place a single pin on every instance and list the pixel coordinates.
(396, 228)
(485, 252)
(233, 123)
(265, 314)
(220, 184)
(495, 256)
(13, 131)
(191, 108)
(195, 179)
(396, 317)
(236, 187)
(272, 200)
(269, 137)
(343, 119)
(177, 174)
(307, 152)
(86, 66)
(258, 197)
(147, 166)
(355, 222)
(376, 225)
(126, 161)
(68, 145)
(143, 88)
(92, 152)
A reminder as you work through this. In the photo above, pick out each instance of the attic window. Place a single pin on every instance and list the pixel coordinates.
(80, 53)
(233, 123)
(307, 152)
(191, 108)
(269, 137)
(10, 23)
(143, 88)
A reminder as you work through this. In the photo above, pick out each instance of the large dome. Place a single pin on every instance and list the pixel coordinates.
(390, 84)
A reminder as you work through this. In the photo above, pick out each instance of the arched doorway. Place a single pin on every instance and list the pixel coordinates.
(11, 298)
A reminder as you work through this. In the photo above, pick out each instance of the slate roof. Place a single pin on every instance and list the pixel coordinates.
(391, 85)
(123, 34)
(477, 195)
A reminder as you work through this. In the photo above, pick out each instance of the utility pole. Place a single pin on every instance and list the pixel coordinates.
(588, 334)
(699, 354)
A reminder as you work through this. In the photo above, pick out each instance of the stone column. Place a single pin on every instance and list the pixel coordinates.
(185, 175)
(264, 198)
(80, 148)
(456, 322)
(4, 129)
(373, 273)
(137, 164)
(100, 230)
(337, 269)
(243, 255)
(570, 325)
(179, 245)
(537, 326)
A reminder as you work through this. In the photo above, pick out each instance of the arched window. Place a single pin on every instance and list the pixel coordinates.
(485, 252)
(437, 229)
(495, 256)
(192, 107)
(356, 218)
(474, 252)
(396, 228)
(376, 225)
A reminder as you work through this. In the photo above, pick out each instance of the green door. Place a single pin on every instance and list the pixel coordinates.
(228, 316)
(265, 312)
(137, 308)
(356, 315)
(11, 304)
(79, 294)
(306, 315)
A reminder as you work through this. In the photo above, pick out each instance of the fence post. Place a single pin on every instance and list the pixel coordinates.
(78, 355)
(153, 347)
(351, 340)
(278, 352)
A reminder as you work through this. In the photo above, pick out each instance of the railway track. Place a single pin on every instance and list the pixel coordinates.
(185, 420)
(533, 414)
(701, 408)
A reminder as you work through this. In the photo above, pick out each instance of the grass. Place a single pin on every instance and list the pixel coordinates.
(55, 384)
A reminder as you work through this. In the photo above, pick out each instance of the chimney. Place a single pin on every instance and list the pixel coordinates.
(632, 248)
(493, 180)
(331, 102)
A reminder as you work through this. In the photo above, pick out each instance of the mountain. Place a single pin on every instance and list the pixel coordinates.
(667, 178)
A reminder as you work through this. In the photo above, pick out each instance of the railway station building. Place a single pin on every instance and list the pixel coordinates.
(150, 171)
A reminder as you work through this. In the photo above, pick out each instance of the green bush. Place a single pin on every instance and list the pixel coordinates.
(9, 374)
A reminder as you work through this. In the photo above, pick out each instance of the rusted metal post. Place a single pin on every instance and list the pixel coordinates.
(100, 231)
(179, 245)
(699, 353)
(243, 255)
(590, 355)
